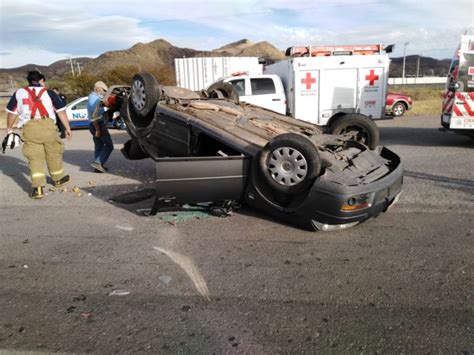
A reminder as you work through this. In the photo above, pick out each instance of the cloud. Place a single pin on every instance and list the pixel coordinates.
(89, 28)
(18, 56)
(53, 31)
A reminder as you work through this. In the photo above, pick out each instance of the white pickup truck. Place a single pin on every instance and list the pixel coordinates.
(343, 92)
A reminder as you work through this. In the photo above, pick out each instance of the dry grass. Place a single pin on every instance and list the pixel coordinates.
(427, 100)
(3, 114)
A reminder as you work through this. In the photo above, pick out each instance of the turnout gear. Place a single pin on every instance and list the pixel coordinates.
(37, 109)
(64, 180)
(12, 141)
(38, 192)
(42, 143)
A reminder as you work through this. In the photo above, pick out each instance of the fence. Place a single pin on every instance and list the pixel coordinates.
(424, 80)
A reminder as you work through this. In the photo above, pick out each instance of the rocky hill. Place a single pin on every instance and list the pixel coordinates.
(428, 66)
(53, 71)
(161, 52)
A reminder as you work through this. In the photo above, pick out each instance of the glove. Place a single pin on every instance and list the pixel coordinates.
(11, 140)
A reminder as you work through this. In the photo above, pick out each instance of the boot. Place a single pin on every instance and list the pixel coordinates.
(64, 180)
(37, 193)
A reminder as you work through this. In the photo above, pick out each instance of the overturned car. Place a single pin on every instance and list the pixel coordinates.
(208, 147)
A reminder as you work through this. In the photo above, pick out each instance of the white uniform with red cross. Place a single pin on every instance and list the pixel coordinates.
(25, 104)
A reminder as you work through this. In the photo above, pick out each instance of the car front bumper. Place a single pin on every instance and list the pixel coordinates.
(321, 209)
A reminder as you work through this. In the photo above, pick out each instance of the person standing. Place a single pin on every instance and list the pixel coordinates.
(62, 97)
(103, 145)
(36, 107)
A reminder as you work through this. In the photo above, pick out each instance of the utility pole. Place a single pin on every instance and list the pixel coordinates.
(78, 68)
(72, 66)
(403, 69)
(417, 68)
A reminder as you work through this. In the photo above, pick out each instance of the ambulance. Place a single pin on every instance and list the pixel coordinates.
(340, 87)
(458, 102)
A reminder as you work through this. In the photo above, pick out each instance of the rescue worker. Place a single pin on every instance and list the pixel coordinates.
(103, 145)
(62, 131)
(36, 107)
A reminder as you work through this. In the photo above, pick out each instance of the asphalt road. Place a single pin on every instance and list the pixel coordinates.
(85, 274)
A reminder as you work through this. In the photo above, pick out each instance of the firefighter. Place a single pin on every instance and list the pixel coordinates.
(36, 107)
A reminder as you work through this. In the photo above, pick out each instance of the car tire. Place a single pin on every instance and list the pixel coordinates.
(144, 94)
(398, 109)
(367, 131)
(223, 90)
(289, 163)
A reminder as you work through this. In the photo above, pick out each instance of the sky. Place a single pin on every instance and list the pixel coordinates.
(42, 32)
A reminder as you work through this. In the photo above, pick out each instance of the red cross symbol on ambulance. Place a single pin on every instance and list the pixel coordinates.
(470, 71)
(308, 81)
(372, 78)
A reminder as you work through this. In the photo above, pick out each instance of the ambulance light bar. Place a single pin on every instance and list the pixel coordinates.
(324, 51)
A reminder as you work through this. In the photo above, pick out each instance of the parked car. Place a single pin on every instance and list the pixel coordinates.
(396, 104)
(208, 147)
(76, 112)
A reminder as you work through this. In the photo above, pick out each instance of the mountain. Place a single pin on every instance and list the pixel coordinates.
(246, 48)
(428, 66)
(53, 71)
(158, 52)
(234, 48)
(161, 52)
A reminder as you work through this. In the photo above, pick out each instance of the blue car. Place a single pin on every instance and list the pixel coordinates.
(76, 112)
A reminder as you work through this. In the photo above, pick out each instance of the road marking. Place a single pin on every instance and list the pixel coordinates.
(125, 228)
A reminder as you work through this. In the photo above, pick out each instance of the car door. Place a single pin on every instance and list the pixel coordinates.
(77, 113)
(169, 135)
(260, 91)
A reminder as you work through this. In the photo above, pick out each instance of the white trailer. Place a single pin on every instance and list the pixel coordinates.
(200, 72)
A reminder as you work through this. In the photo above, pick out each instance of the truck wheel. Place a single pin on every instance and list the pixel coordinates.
(398, 109)
(144, 94)
(223, 90)
(289, 163)
(365, 128)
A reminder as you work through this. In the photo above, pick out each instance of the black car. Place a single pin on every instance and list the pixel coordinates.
(208, 147)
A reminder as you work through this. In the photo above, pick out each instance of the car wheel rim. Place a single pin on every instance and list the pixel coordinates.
(397, 110)
(138, 95)
(287, 166)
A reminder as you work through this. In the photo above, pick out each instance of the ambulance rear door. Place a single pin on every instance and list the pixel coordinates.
(338, 87)
(305, 90)
(372, 85)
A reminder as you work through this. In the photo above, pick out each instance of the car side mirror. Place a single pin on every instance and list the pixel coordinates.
(453, 86)
(389, 48)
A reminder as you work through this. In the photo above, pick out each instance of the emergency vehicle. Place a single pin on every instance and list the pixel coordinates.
(458, 102)
(340, 87)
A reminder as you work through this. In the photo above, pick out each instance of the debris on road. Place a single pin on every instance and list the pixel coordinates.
(125, 228)
(165, 279)
(79, 298)
(70, 309)
(87, 315)
(119, 293)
